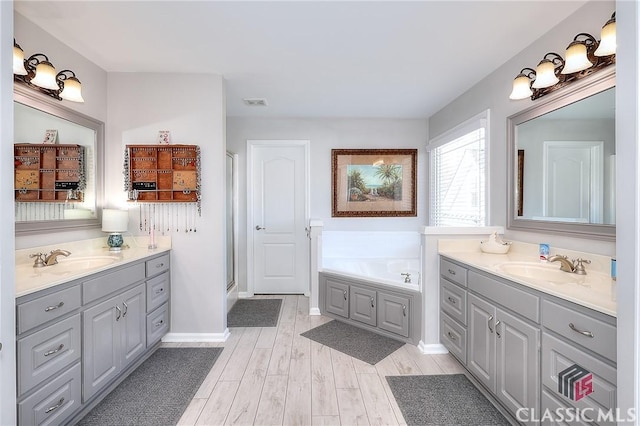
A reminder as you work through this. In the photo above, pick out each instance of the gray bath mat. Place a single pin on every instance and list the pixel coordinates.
(254, 313)
(158, 391)
(354, 341)
(443, 400)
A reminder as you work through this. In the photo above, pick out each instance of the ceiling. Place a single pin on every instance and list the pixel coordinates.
(308, 58)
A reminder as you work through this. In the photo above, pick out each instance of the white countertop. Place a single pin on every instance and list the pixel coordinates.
(596, 290)
(29, 279)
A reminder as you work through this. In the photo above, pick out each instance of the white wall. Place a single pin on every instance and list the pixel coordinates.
(191, 106)
(493, 92)
(326, 134)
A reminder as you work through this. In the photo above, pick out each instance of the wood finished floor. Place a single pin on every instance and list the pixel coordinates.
(274, 376)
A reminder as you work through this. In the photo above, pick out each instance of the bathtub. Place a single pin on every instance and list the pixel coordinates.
(377, 271)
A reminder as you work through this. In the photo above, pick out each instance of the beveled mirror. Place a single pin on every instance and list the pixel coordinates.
(562, 161)
(34, 114)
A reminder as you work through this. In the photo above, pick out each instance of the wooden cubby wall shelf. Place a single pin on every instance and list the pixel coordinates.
(162, 173)
(49, 173)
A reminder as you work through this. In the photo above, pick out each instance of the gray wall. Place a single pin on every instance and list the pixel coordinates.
(326, 134)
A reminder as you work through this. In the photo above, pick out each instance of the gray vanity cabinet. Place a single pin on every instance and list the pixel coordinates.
(393, 313)
(114, 335)
(337, 297)
(363, 305)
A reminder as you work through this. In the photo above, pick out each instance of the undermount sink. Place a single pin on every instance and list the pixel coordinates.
(550, 273)
(88, 262)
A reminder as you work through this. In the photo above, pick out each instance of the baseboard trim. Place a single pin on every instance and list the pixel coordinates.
(432, 349)
(314, 311)
(196, 337)
(244, 295)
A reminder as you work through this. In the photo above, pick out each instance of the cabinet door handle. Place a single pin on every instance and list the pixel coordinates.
(452, 272)
(497, 333)
(51, 308)
(577, 330)
(53, 351)
(451, 300)
(55, 407)
(119, 313)
(344, 293)
(372, 302)
(126, 308)
(489, 323)
(161, 290)
(159, 265)
(451, 336)
(159, 324)
(404, 310)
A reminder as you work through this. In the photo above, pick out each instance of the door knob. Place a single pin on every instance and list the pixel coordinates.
(258, 228)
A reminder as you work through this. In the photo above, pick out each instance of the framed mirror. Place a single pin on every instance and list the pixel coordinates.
(34, 116)
(562, 166)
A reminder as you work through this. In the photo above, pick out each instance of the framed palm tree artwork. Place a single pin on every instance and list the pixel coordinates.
(373, 182)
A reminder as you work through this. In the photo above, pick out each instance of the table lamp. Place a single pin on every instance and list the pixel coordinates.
(115, 223)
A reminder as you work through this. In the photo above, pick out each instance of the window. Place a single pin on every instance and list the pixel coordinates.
(459, 174)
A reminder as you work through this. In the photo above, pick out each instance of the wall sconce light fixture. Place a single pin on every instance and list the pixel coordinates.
(584, 56)
(37, 72)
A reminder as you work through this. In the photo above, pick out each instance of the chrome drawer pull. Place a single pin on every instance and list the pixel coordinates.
(451, 300)
(451, 336)
(51, 352)
(160, 291)
(497, 324)
(159, 265)
(452, 272)
(159, 324)
(584, 333)
(489, 323)
(126, 308)
(404, 310)
(55, 407)
(119, 313)
(51, 308)
(372, 302)
(344, 293)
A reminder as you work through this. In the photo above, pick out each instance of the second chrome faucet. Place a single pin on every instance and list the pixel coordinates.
(576, 266)
(48, 259)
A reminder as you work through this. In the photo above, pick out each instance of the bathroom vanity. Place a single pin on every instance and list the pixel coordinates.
(516, 334)
(83, 326)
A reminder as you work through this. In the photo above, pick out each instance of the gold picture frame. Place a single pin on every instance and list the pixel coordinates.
(373, 182)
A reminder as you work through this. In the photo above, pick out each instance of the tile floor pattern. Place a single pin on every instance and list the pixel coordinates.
(274, 376)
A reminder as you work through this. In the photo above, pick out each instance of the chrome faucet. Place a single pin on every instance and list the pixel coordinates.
(52, 258)
(407, 277)
(576, 266)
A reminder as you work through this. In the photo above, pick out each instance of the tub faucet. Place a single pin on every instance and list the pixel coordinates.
(52, 258)
(407, 277)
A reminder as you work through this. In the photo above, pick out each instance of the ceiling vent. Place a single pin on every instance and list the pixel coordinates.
(262, 102)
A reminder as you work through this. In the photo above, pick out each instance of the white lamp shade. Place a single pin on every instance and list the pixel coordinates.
(607, 44)
(521, 89)
(576, 58)
(114, 220)
(72, 90)
(45, 76)
(545, 75)
(18, 61)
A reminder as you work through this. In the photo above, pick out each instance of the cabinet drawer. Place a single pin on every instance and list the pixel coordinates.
(46, 308)
(108, 283)
(157, 291)
(453, 337)
(596, 335)
(157, 324)
(453, 300)
(558, 356)
(54, 402)
(522, 302)
(157, 265)
(453, 272)
(553, 405)
(47, 352)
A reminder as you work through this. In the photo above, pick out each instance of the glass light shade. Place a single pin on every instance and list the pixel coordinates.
(114, 221)
(576, 58)
(607, 44)
(545, 75)
(45, 76)
(18, 61)
(521, 88)
(72, 90)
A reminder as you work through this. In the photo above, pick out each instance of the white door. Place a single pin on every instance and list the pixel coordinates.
(277, 220)
(573, 176)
